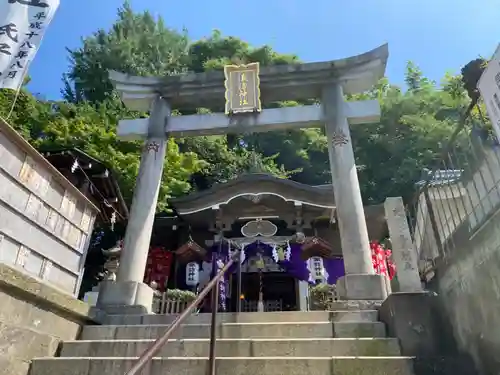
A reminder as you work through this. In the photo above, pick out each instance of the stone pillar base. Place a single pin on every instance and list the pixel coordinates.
(362, 287)
(125, 297)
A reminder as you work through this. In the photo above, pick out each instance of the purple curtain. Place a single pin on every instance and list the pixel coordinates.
(334, 268)
(295, 266)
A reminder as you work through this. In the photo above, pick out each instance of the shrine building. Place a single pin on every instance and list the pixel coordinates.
(288, 232)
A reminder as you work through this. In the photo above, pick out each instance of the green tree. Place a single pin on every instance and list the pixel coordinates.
(216, 51)
(414, 124)
(137, 43)
(298, 153)
(416, 121)
(223, 162)
(92, 128)
(414, 127)
(415, 79)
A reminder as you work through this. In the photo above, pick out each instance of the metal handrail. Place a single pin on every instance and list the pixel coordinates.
(149, 353)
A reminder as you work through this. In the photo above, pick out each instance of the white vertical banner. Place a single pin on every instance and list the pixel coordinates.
(22, 26)
(489, 87)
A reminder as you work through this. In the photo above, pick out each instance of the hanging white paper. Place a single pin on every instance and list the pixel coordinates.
(22, 26)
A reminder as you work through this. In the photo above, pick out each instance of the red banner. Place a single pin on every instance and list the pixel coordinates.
(158, 267)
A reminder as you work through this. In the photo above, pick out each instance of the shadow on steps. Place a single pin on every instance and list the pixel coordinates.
(462, 365)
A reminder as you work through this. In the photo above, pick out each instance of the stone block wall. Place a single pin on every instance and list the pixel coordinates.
(34, 318)
(45, 221)
(468, 287)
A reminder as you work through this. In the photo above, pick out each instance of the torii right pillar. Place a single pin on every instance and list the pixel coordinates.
(360, 281)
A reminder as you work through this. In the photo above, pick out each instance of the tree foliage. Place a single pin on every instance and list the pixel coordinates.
(390, 154)
(92, 128)
(137, 43)
(414, 127)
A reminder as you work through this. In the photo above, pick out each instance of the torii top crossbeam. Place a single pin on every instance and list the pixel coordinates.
(277, 83)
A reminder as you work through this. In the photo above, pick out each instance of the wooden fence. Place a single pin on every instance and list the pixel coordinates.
(164, 305)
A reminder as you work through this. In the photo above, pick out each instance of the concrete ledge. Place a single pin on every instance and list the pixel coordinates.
(125, 297)
(362, 287)
(29, 289)
(13, 366)
(356, 305)
(252, 317)
(411, 317)
(240, 331)
(25, 343)
(34, 318)
(230, 366)
(414, 319)
(264, 366)
(237, 348)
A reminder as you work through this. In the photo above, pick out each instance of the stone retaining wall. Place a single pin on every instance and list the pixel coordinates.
(34, 318)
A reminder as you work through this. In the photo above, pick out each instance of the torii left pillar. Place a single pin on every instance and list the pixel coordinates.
(129, 294)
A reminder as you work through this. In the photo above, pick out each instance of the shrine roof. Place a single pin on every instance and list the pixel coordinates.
(277, 83)
(440, 177)
(255, 185)
(105, 192)
(22, 145)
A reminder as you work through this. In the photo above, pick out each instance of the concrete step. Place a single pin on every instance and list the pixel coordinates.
(240, 331)
(237, 348)
(356, 305)
(253, 317)
(229, 366)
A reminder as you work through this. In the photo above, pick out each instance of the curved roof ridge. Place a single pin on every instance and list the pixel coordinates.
(254, 184)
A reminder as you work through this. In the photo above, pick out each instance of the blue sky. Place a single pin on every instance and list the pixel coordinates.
(438, 35)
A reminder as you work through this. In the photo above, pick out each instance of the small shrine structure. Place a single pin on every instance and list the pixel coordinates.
(288, 232)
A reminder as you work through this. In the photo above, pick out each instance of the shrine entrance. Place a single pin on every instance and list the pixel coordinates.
(271, 285)
(284, 229)
(278, 292)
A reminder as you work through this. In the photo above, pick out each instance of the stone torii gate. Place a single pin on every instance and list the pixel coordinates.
(241, 89)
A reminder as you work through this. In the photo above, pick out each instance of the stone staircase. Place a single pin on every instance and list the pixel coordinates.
(287, 343)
